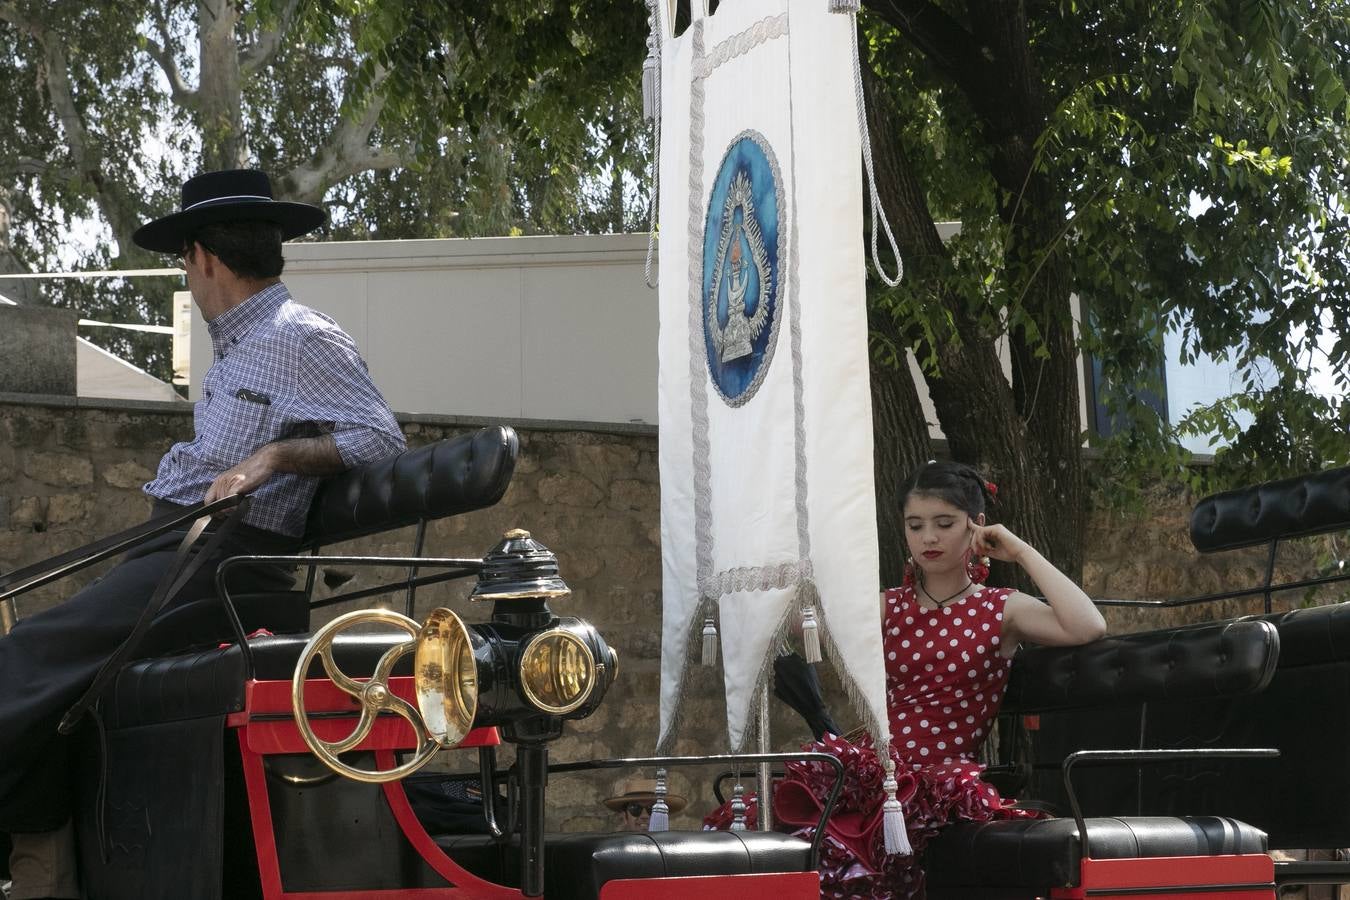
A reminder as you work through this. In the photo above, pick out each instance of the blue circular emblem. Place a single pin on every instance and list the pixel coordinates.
(741, 258)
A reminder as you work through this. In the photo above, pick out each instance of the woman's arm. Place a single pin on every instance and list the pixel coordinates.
(1067, 618)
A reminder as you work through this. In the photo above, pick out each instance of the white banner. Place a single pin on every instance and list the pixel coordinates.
(767, 503)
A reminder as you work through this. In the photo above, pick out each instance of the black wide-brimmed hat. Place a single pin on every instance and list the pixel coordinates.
(234, 195)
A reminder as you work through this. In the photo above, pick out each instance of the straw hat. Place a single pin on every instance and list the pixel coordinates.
(643, 790)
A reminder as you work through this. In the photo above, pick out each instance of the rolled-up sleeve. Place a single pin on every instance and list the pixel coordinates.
(336, 385)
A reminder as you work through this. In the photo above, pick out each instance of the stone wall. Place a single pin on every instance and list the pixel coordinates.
(71, 471)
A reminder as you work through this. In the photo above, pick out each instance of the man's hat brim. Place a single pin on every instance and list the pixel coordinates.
(167, 235)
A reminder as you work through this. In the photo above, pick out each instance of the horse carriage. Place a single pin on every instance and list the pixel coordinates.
(279, 766)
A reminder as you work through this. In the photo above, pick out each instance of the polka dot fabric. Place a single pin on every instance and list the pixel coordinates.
(944, 681)
(944, 676)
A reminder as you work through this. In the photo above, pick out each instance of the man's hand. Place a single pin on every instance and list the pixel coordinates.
(246, 477)
(297, 456)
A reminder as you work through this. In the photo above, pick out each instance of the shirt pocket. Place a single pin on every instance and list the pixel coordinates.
(243, 422)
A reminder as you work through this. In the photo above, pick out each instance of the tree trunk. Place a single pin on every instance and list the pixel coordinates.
(219, 89)
(1045, 386)
(1024, 435)
(899, 445)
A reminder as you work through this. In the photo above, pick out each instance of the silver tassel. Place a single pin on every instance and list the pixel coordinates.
(649, 70)
(660, 818)
(709, 642)
(738, 807)
(846, 7)
(810, 634)
(894, 833)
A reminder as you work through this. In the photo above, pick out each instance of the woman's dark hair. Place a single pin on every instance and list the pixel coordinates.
(248, 249)
(953, 482)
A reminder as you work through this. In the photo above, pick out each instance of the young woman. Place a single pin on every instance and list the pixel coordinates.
(948, 642)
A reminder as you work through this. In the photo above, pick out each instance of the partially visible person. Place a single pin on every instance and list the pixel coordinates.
(286, 400)
(634, 804)
(948, 642)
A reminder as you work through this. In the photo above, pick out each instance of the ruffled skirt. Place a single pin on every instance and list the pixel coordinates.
(853, 861)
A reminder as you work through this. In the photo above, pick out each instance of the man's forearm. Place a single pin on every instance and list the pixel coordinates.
(305, 456)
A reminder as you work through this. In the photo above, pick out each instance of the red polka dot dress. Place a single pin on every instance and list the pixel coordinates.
(944, 681)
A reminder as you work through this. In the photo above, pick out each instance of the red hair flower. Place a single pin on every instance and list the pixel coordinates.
(992, 489)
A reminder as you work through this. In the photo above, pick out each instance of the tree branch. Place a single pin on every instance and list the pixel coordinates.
(942, 39)
(260, 55)
(162, 54)
(346, 152)
(966, 59)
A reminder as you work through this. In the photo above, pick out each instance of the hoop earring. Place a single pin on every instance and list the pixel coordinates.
(977, 568)
(907, 580)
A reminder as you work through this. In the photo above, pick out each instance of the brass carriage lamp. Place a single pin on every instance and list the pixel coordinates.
(526, 670)
(565, 666)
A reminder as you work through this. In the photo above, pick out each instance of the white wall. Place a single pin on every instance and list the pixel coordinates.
(544, 328)
(559, 328)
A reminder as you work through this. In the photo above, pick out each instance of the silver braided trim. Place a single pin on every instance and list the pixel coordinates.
(756, 578)
(795, 315)
(873, 198)
(698, 391)
(740, 44)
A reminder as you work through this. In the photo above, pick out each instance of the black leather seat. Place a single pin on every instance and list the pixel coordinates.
(1045, 853)
(577, 866)
(1082, 697)
(211, 682)
(1218, 659)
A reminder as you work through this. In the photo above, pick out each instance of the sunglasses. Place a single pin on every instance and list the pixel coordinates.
(637, 809)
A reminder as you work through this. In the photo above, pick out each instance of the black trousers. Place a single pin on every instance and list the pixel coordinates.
(50, 658)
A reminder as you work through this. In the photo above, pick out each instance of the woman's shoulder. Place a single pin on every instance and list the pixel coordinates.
(992, 598)
(893, 600)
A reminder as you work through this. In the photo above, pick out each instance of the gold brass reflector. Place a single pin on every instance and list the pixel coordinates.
(557, 671)
(446, 677)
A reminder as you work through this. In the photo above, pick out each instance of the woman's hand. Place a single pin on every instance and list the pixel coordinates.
(996, 542)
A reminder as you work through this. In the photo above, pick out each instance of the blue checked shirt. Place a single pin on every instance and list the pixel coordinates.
(281, 370)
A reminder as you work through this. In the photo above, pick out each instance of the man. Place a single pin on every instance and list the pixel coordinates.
(287, 400)
(634, 805)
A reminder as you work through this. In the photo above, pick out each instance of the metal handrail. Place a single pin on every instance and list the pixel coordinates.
(1266, 590)
(461, 567)
(1141, 756)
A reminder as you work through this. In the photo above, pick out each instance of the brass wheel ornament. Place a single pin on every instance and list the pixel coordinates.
(375, 697)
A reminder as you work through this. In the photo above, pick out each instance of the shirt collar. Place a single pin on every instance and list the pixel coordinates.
(233, 325)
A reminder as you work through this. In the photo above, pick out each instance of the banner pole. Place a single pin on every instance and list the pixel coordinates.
(765, 769)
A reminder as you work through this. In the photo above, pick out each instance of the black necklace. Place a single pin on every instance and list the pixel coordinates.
(945, 600)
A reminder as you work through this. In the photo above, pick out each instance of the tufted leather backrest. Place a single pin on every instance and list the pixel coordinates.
(453, 476)
(1293, 507)
(1223, 659)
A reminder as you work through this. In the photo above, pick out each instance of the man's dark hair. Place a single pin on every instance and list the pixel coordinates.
(248, 249)
(953, 482)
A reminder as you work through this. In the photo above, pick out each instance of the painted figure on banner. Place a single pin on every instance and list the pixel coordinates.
(742, 296)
